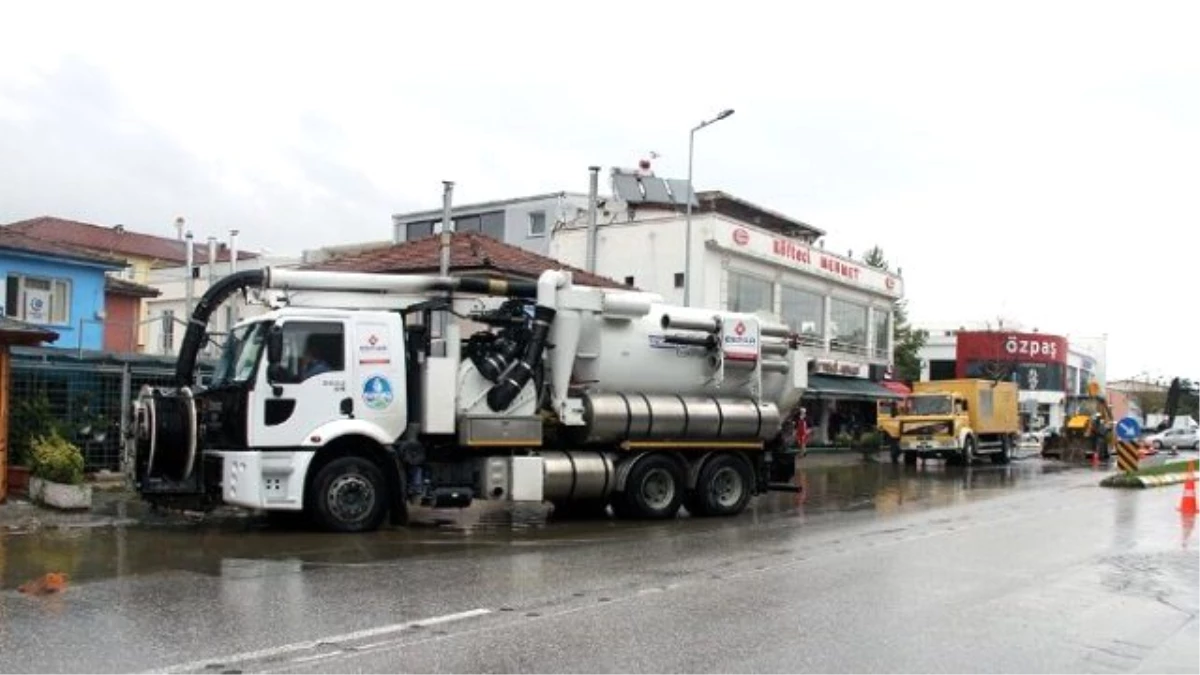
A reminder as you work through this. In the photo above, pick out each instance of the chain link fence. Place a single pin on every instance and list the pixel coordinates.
(87, 395)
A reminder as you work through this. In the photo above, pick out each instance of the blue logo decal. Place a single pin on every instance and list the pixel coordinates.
(377, 392)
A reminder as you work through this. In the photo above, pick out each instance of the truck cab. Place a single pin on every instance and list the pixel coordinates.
(957, 420)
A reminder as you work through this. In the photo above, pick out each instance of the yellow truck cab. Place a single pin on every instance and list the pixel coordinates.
(959, 420)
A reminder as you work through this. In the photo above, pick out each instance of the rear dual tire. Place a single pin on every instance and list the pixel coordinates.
(656, 488)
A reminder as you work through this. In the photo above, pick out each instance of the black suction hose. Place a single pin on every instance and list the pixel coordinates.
(193, 339)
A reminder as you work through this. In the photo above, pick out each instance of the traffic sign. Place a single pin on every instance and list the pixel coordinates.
(1128, 429)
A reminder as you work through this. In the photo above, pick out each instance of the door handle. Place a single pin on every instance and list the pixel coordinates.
(347, 407)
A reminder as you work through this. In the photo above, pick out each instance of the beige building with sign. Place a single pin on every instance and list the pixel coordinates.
(748, 258)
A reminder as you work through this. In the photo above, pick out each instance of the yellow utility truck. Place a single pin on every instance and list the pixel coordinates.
(959, 420)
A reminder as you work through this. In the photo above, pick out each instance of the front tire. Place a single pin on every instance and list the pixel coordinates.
(349, 494)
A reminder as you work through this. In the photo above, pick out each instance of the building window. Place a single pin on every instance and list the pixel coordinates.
(750, 294)
(492, 224)
(883, 325)
(628, 281)
(38, 300)
(804, 313)
(537, 223)
(679, 280)
(849, 326)
(414, 231)
(940, 369)
(467, 224)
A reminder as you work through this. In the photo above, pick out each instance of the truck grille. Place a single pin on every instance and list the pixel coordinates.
(926, 428)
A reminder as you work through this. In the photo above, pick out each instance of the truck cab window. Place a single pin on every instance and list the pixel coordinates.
(311, 349)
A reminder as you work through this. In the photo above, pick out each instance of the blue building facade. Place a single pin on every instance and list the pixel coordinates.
(56, 287)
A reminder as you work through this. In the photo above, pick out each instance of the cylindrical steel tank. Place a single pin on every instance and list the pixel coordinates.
(618, 416)
(577, 475)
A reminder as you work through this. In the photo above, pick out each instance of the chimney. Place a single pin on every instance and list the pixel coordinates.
(179, 228)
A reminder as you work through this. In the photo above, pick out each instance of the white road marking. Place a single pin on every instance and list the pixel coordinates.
(227, 659)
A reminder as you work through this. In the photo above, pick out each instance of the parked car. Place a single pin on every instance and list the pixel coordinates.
(1175, 439)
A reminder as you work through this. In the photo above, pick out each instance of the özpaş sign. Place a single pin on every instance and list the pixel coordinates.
(777, 249)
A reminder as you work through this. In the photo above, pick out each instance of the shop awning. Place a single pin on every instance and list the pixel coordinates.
(826, 386)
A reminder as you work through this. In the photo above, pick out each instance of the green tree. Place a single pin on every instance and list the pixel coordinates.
(908, 340)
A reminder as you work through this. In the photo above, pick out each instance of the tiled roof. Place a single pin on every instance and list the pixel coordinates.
(124, 287)
(469, 252)
(118, 241)
(17, 241)
(14, 332)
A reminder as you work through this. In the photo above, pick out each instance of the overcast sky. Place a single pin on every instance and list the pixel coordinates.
(1039, 160)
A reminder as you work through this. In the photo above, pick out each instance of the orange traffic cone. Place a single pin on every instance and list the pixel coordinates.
(1187, 503)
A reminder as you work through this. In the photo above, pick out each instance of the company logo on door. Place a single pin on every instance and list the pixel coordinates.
(377, 392)
(373, 350)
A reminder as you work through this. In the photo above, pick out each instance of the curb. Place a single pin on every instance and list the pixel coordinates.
(1123, 481)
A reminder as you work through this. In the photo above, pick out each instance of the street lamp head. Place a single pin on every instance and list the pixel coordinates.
(725, 113)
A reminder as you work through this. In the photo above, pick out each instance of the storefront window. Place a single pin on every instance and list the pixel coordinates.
(804, 312)
(849, 325)
(750, 294)
(883, 326)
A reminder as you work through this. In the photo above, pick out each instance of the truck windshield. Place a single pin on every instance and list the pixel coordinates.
(929, 405)
(240, 354)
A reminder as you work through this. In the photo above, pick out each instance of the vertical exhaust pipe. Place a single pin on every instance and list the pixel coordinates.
(190, 285)
(447, 193)
(212, 258)
(233, 261)
(593, 198)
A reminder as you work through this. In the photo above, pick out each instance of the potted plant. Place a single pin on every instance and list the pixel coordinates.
(56, 474)
(30, 419)
(870, 443)
(844, 439)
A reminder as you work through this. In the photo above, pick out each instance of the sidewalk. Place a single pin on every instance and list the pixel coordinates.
(110, 508)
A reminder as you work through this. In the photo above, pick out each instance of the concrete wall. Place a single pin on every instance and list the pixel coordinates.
(84, 324)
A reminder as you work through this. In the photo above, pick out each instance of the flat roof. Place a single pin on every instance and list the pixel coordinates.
(481, 206)
(748, 212)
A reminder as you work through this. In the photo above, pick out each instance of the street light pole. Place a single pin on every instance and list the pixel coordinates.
(687, 237)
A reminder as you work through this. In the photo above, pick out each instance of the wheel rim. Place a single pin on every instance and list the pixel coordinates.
(726, 488)
(350, 497)
(658, 489)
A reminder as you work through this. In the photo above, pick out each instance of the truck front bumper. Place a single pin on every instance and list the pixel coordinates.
(933, 445)
(272, 480)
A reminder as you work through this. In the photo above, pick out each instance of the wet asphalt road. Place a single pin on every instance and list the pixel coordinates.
(877, 568)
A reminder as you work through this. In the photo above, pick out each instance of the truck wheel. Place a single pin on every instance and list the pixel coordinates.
(722, 489)
(968, 451)
(653, 490)
(910, 458)
(349, 494)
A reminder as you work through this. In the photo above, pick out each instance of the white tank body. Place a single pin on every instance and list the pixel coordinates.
(634, 354)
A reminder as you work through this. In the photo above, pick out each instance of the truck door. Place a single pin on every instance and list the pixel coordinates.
(306, 389)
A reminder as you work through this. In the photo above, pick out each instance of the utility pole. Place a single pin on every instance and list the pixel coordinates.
(687, 238)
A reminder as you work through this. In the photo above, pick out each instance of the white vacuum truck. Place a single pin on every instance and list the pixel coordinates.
(338, 403)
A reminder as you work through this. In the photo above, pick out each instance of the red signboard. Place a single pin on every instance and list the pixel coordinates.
(1010, 347)
(1037, 362)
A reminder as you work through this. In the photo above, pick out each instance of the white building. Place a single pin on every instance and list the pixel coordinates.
(747, 258)
(1043, 381)
(526, 222)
